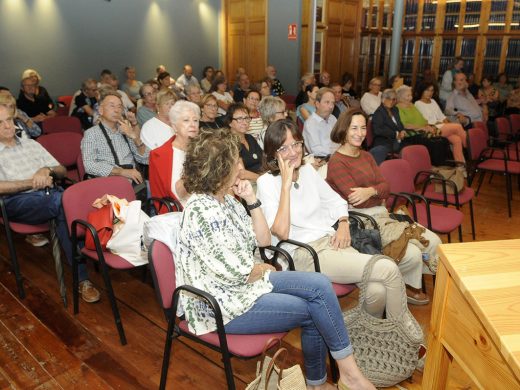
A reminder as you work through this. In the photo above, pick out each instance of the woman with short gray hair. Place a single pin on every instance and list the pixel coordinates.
(271, 109)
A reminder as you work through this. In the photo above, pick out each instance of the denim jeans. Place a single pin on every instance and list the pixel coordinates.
(37, 207)
(380, 152)
(306, 300)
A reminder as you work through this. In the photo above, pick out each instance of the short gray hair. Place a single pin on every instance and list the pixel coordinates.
(388, 94)
(179, 107)
(269, 106)
(402, 90)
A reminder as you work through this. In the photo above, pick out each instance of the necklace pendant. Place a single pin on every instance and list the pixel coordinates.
(296, 185)
(255, 156)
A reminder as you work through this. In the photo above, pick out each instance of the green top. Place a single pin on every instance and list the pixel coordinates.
(411, 116)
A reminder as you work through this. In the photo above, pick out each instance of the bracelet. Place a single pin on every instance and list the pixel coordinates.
(344, 219)
(255, 205)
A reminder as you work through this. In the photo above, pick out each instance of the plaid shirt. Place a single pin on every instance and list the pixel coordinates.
(20, 162)
(97, 156)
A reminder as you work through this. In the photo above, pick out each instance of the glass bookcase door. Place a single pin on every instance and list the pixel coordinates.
(492, 57)
(497, 17)
(467, 51)
(447, 54)
(472, 17)
(512, 67)
(410, 19)
(425, 54)
(429, 15)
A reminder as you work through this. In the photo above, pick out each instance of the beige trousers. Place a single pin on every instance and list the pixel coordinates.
(385, 286)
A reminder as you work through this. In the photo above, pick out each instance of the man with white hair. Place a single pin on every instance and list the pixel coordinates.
(276, 85)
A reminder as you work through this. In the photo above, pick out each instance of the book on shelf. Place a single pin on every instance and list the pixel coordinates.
(468, 47)
(448, 48)
(493, 47)
(499, 5)
(513, 48)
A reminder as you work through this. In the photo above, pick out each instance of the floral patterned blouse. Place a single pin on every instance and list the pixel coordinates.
(215, 254)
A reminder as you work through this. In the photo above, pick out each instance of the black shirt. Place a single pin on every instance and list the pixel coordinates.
(217, 124)
(42, 103)
(252, 158)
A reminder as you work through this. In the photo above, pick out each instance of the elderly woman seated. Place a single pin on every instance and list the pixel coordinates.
(209, 109)
(354, 175)
(166, 162)
(158, 130)
(215, 254)
(371, 100)
(257, 127)
(300, 205)
(271, 109)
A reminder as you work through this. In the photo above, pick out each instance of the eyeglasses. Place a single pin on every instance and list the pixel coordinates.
(253, 99)
(29, 85)
(150, 94)
(242, 119)
(211, 105)
(295, 147)
(282, 112)
(376, 85)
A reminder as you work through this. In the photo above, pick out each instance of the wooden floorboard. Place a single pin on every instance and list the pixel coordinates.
(44, 346)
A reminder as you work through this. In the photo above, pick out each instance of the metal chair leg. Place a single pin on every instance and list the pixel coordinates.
(14, 261)
(460, 233)
(472, 220)
(113, 304)
(167, 351)
(480, 180)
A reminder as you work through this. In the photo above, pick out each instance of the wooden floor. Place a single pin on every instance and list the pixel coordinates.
(44, 346)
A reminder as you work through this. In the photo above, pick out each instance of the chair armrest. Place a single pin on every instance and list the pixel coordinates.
(362, 215)
(163, 202)
(309, 248)
(93, 231)
(274, 259)
(444, 182)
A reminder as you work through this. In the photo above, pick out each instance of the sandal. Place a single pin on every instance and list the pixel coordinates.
(416, 298)
(342, 386)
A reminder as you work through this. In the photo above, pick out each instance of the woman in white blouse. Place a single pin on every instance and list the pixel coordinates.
(215, 254)
(300, 205)
(158, 130)
(371, 100)
(431, 111)
(219, 90)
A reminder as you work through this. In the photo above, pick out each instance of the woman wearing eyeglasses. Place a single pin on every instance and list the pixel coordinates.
(209, 110)
(298, 204)
(250, 152)
(371, 100)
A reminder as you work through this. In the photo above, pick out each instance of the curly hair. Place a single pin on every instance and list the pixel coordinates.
(210, 160)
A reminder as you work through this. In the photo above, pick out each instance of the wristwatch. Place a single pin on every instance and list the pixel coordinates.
(344, 219)
(255, 205)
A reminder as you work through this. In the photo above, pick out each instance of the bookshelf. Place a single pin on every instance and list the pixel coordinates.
(485, 33)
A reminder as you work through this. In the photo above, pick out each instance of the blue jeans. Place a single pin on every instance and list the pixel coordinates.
(37, 207)
(306, 300)
(380, 152)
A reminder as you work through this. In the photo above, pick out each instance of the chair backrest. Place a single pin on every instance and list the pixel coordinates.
(162, 269)
(81, 167)
(515, 123)
(503, 128)
(482, 126)
(77, 199)
(477, 142)
(369, 138)
(65, 100)
(398, 174)
(64, 147)
(299, 122)
(60, 124)
(419, 159)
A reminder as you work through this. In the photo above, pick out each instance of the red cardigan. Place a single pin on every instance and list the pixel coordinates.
(160, 175)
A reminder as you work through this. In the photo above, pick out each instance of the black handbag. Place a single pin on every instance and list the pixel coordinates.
(367, 241)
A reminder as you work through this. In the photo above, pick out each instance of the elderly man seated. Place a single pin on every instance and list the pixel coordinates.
(114, 147)
(461, 104)
(27, 173)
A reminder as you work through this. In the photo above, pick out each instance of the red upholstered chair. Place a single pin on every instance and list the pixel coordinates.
(81, 167)
(290, 101)
(420, 163)
(66, 100)
(60, 124)
(439, 219)
(77, 203)
(64, 147)
(514, 119)
(482, 163)
(242, 346)
(19, 228)
(369, 138)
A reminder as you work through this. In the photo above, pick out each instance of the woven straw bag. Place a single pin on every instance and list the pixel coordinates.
(386, 350)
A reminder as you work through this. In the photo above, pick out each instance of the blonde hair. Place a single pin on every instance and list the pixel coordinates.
(6, 99)
(165, 95)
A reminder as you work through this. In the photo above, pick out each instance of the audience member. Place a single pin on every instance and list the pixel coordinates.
(160, 69)
(354, 175)
(265, 87)
(27, 185)
(242, 87)
(387, 128)
(503, 87)
(207, 78)
(305, 110)
(114, 146)
(429, 77)
(186, 78)
(412, 119)
(324, 80)
(306, 80)
(513, 101)
(132, 86)
(219, 90)
(164, 81)
(317, 128)
(193, 93)
(448, 78)
(461, 104)
(86, 103)
(434, 116)
(298, 204)
(113, 82)
(347, 82)
(340, 102)
(272, 108)
(276, 86)
(25, 126)
(489, 98)
(34, 99)
(158, 130)
(395, 81)
(166, 162)
(216, 243)
(240, 71)
(209, 108)
(472, 85)
(256, 125)
(250, 151)
(148, 109)
(371, 100)
(104, 77)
